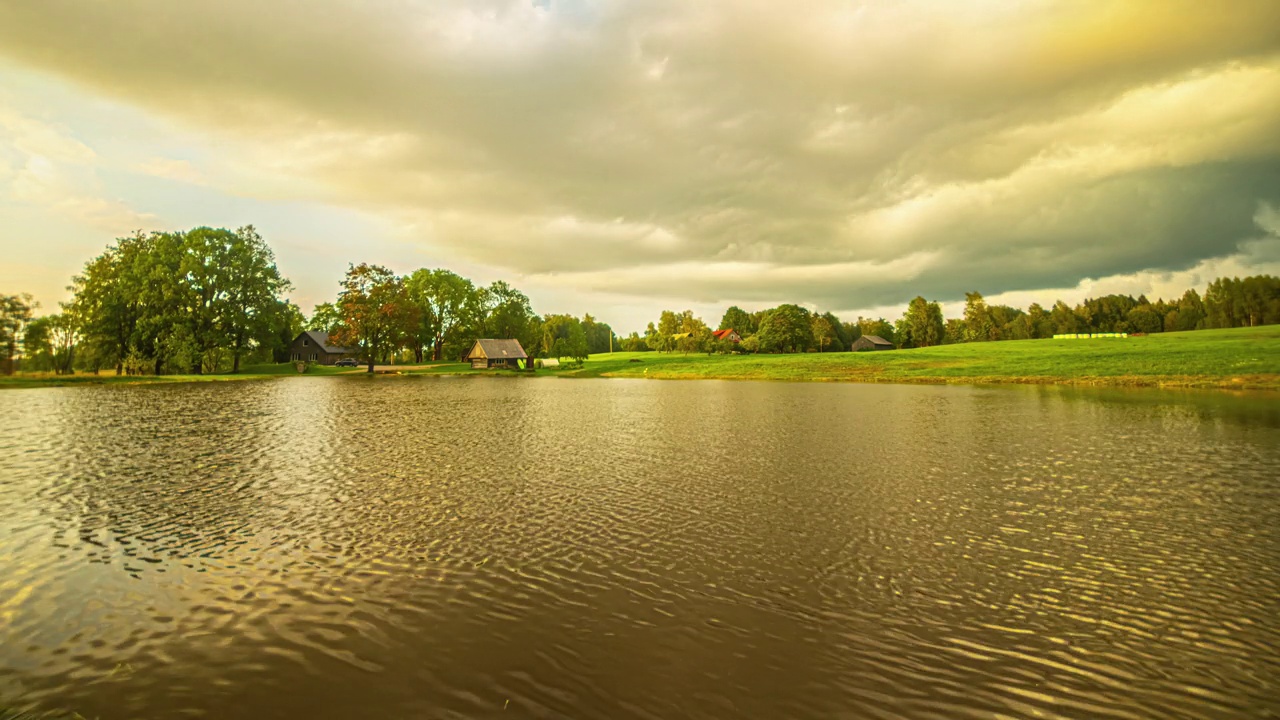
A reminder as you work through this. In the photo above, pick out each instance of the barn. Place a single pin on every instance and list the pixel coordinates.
(488, 354)
(871, 342)
(314, 346)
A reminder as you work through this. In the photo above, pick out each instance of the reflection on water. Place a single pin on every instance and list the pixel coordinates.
(434, 547)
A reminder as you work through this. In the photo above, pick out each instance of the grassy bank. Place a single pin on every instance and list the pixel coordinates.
(1241, 358)
(108, 377)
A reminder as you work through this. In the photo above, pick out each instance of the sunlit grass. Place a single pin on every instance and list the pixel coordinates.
(1236, 358)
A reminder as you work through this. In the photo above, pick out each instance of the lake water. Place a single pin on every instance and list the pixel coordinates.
(550, 548)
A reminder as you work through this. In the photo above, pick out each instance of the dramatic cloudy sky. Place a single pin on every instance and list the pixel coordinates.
(620, 158)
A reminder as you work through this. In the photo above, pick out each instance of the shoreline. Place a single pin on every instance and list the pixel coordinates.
(1234, 359)
(1252, 383)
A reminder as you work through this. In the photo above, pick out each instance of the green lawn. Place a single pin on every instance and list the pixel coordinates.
(1245, 358)
(1241, 358)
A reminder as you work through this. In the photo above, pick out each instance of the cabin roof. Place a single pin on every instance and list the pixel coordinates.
(497, 349)
(722, 334)
(321, 339)
(877, 340)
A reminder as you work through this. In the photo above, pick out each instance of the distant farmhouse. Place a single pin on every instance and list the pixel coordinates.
(728, 334)
(313, 346)
(871, 342)
(488, 354)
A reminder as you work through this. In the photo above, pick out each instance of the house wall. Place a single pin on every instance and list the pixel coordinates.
(304, 349)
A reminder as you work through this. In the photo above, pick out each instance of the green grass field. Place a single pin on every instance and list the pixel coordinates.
(1241, 358)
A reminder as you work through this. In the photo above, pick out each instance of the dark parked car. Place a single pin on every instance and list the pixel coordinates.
(347, 362)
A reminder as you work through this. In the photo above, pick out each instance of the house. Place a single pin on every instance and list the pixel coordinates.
(313, 346)
(728, 334)
(871, 342)
(485, 354)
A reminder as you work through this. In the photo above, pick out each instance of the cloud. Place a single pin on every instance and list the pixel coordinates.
(42, 165)
(850, 155)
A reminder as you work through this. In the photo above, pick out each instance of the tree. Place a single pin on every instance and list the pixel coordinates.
(15, 313)
(1040, 322)
(1065, 321)
(822, 331)
(376, 312)
(786, 328)
(693, 333)
(979, 325)
(446, 302)
(507, 314)
(841, 339)
(635, 343)
(37, 348)
(253, 286)
(287, 323)
(738, 320)
(1145, 319)
(600, 337)
(563, 336)
(64, 335)
(205, 271)
(108, 301)
(922, 324)
(662, 338)
(325, 318)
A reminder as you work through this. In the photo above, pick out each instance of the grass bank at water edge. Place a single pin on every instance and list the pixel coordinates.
(1240, 358)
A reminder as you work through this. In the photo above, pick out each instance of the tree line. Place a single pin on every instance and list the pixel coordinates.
(436, 314)
(192, 301)
(788, 328)
(207, 300)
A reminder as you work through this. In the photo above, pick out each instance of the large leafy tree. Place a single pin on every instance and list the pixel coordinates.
(507, 314)
(563, 336)
(15, 313)
(786, 328)
(738, 320)
(446, 304)
(253, 286)
(109, 301)
(377, 312)
(922, 324)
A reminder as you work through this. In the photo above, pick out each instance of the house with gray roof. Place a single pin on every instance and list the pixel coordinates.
(488, 353)
(314, 346)
(871, 342)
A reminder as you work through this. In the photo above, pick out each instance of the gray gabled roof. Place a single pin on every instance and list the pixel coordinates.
(498, 349)
(321, 339)
(877, 340)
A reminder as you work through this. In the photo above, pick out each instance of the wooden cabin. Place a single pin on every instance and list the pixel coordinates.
(314, 346)
(727, 334)
(488, 354)
(871, 342)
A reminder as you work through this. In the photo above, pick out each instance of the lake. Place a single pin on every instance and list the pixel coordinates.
(552, 548)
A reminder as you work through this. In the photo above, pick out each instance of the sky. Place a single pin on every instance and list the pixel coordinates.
(624, 158)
